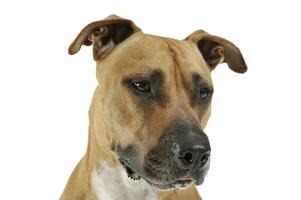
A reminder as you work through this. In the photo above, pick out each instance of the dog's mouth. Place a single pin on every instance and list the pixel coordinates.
(181, 183)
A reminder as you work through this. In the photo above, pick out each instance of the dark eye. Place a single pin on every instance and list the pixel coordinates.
(142, 86)
(204, 92)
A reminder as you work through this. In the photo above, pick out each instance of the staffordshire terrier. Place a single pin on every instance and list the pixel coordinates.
(148, 113)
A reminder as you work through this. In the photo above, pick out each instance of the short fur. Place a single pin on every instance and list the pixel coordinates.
(120, 119)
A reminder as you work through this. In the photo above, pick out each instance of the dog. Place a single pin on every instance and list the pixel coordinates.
(148, 113)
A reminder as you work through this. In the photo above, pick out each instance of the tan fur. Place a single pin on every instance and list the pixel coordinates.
(139, 53)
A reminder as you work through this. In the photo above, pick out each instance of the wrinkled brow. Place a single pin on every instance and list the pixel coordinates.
(150, 75)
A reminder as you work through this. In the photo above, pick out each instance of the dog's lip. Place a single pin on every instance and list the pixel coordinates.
(168, 186)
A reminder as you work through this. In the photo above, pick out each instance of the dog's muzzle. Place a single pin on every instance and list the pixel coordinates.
(180, 158)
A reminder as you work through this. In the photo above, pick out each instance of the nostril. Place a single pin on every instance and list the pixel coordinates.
(205, 157)
(187, 158)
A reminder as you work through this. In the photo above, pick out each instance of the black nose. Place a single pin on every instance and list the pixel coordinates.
(191, 149)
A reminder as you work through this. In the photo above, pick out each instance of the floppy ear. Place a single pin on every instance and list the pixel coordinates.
(217, 50)
(104, 35)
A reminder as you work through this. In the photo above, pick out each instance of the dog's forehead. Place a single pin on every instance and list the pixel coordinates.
(144, 52)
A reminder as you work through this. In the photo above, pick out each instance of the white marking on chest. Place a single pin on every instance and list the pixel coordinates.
(113, 184)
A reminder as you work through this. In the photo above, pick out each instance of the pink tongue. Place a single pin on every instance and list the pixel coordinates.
(185, 178)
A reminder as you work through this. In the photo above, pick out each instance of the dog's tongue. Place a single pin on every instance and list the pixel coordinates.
(186, 178)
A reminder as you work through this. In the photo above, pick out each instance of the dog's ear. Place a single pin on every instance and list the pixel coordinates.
(104, 35)
(216, 50)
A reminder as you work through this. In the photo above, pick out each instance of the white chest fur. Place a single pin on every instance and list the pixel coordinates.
(113, 184)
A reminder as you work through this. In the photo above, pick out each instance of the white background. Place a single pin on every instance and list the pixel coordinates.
(254, 130)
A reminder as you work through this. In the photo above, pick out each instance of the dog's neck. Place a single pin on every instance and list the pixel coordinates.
(112, 183)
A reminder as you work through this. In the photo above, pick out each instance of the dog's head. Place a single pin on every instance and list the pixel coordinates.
(154, 97)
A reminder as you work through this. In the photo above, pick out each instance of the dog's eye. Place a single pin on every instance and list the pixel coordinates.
(204, 92)
(142, 86)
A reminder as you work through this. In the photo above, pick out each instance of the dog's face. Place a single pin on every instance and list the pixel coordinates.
(154, 99)
(162, 92)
